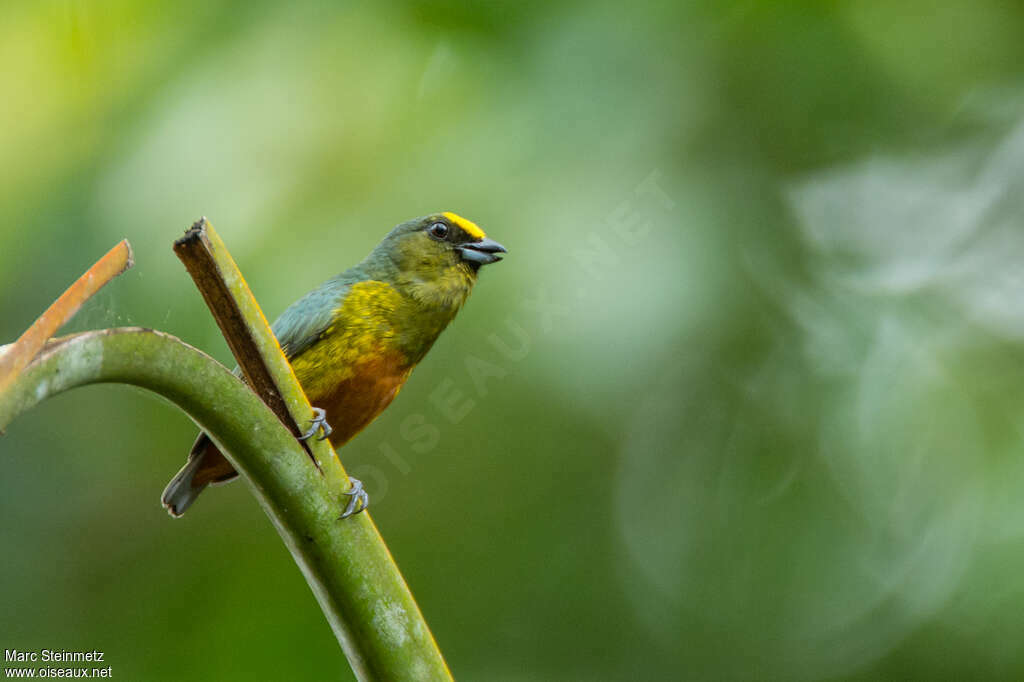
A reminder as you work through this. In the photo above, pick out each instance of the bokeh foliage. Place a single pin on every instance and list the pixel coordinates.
(754, 407)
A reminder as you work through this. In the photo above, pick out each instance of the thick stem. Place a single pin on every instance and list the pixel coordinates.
(346, 562)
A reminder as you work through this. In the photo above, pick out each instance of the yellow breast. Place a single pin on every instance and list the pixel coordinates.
(363, 328)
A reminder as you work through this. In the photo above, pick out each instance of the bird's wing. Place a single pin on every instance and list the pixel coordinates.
(303, 322)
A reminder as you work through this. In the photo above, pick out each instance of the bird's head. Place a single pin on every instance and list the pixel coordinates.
(442, 240)
(439, 255)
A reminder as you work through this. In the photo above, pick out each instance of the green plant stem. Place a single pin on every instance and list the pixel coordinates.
(345, 562)
(251, 340)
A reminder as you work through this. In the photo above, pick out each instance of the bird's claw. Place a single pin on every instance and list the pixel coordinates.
(358, 499)
(319, 421)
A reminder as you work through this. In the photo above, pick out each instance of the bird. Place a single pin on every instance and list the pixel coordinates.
(354, 340)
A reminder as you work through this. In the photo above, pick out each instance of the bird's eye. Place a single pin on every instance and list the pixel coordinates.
(438, 230)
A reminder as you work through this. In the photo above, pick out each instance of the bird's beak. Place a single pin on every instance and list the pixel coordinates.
(482, 252)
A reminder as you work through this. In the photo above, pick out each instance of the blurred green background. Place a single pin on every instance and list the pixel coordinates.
(759, 340)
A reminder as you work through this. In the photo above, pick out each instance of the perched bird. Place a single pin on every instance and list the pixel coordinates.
(354, 340)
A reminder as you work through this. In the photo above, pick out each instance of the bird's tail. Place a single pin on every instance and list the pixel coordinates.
(181, 492)
(205, 465)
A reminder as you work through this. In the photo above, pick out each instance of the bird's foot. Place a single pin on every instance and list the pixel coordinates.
(358, 499)
(319, 421)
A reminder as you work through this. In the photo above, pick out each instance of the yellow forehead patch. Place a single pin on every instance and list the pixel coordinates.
(468, 226)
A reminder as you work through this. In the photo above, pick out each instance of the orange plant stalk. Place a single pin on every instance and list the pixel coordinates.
(17, 356)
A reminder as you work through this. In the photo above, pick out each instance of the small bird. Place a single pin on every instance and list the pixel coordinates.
(354, 340)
